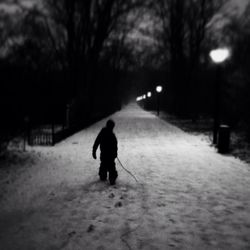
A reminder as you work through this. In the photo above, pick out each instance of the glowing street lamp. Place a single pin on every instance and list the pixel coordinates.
(158, 90)
(218, 56)
(149, 94)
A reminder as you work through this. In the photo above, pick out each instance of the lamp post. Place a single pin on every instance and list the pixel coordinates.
(218, 56)
(158, 90)
(144, 97)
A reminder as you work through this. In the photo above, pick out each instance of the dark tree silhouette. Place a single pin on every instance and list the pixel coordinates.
(236, 33)
(68, 41)
(183, 38)
(87, 26)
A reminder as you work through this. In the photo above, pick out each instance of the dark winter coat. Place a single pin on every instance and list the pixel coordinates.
(108, 144)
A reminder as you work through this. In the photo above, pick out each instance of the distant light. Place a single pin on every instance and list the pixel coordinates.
(219, 55)
(159, 89)
(149, 94)
(139, 98)
(144, 96)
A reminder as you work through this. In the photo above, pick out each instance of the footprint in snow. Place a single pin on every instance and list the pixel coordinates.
(111, 195)
(118, 204)
(71, 233)
(91, 228)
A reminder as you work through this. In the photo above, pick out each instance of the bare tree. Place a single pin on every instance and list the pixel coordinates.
(87, 26)
(237, 34)
(183, 37)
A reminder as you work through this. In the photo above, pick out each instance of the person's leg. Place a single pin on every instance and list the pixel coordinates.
(112, 172)
(103, 171)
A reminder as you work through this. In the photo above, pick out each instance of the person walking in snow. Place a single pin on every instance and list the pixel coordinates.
(108, 147)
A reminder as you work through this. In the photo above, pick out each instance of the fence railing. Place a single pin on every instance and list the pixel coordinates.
(46, 135)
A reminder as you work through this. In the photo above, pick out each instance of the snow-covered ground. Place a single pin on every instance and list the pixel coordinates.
(188, 196)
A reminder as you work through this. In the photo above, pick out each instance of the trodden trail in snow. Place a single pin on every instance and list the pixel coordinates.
(188, 195)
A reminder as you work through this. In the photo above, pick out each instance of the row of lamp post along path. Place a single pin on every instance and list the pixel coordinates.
(218, 56)
(158, 89)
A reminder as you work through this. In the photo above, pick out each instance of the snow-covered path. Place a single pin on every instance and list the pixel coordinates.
(188, 196)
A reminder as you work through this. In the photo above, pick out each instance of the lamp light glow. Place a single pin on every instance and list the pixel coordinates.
(159, 89)
(149, 94)
(219, 55)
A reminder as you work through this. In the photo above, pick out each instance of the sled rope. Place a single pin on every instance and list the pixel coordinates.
(127, 170)
(122, 237)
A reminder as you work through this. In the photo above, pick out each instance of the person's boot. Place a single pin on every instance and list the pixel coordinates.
(112, 177)
(103, 176)
(112, 182)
